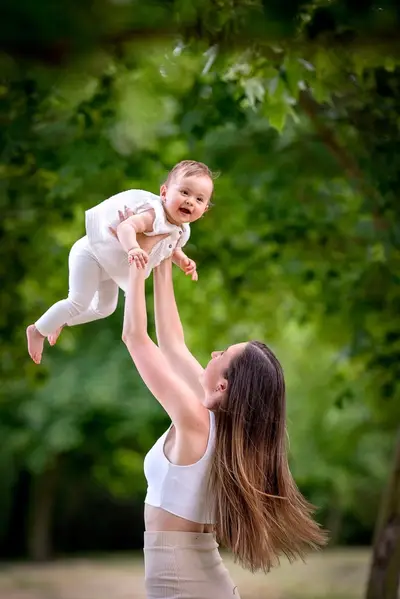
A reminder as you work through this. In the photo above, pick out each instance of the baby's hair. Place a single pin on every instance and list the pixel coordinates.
(190, 168)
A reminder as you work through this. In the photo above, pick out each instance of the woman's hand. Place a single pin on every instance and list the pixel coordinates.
(122, 216)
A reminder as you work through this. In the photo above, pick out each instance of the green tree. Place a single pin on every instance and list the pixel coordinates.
(313, 88)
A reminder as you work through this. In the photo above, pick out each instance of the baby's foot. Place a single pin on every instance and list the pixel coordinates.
(35, 343)
(52, 338)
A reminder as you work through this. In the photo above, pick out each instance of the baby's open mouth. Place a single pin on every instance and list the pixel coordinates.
(184, 211)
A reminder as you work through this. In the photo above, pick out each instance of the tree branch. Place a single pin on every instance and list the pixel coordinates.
(346, 160)
(58, 53)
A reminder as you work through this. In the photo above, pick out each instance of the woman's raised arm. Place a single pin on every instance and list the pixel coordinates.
(176, 396)
(170, 335)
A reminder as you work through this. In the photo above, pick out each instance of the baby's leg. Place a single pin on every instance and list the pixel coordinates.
(85, 274)
(103, 304)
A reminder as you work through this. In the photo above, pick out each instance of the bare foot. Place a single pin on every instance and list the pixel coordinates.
(52, 338)
(35, 343)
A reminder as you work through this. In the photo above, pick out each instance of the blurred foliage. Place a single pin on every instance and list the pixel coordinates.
(297, 104)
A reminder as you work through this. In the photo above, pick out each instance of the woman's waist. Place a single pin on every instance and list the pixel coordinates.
(159, 520)
(204, 542)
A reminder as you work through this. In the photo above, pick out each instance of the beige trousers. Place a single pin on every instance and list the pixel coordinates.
(185, 565)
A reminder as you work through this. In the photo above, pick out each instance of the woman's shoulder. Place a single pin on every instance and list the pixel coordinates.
(198, 439)
(201, 425)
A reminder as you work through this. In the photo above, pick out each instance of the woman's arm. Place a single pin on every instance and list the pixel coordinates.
(169, 329)
(176, 397)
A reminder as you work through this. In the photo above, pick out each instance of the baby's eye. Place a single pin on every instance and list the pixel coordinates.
(184, 192)
(200, 200)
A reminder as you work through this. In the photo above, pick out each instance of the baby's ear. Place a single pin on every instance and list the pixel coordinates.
(163, 191)
(209, 206)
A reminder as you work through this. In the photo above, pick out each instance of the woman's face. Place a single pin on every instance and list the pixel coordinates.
(213, 378)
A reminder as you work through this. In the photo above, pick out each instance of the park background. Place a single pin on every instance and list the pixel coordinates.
(297, 106)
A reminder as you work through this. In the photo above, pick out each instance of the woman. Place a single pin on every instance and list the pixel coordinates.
(220, 471)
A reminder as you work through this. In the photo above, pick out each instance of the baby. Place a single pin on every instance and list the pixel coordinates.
(99, 262)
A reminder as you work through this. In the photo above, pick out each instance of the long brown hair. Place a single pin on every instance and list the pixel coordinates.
(260, 513)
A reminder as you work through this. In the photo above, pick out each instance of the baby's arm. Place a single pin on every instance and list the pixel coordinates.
(129, 228)
(127, 232)
(179, 257)
(184, 263)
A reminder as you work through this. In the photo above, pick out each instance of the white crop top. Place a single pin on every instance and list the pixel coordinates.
(180, 490)
(108, 250)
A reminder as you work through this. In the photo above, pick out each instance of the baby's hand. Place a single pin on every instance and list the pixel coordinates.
(138, 256)
(189, 268)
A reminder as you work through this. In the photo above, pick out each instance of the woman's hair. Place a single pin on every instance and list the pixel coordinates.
(260, 513)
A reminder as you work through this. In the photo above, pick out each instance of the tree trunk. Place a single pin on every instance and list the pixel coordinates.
(384, 579)
(43, 488)
(335, 519)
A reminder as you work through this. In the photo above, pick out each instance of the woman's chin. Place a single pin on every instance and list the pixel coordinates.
(206, 401)
(211, 403)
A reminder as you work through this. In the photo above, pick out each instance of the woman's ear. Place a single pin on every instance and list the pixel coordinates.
(221, 386)
(217, 395)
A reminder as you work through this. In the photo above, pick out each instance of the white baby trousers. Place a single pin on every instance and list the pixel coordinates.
(92, 293)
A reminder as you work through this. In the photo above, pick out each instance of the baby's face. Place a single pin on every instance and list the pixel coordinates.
(187, 198)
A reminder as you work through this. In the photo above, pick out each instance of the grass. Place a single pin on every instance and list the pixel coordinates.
(333, 574)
